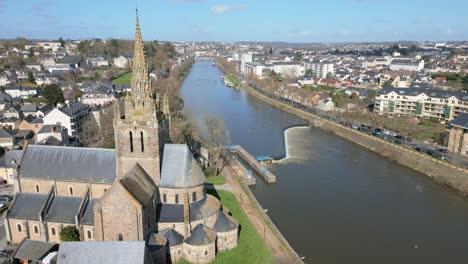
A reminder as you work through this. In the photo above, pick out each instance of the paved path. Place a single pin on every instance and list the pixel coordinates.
(281, 253)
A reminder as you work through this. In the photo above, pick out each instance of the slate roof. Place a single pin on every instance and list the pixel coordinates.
(5, 133)
(156, 242)
(173, 237)
(88, 216)
(97, 252)
(461, 120)
(38, 120)
(7, 159)
(139, 184)
(73, 108)
(179, 169)
(47, 128)
(88, 165)
(63, 209)
(225, 223)
(169, 213)
(33, 250)
(29, 108)
(51, 141)
(27, 206)
(201, 235)
(29, 118)
(429, 92)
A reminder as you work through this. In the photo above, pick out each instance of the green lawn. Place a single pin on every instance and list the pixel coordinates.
(216, 180)
(251, 248)
(233, 80)
(123, 79)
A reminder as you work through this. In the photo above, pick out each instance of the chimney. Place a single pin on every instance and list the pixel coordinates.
(51, 128)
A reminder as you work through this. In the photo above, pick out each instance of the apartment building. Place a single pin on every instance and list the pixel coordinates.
(289, 69)
(245, 58)
(427, 103)
(408, 65)
(320, 69)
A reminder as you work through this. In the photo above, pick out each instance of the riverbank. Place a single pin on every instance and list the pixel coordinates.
(282, 251)
(441, 171)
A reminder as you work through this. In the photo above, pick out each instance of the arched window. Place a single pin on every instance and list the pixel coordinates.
(164, 198)
(37, 188)
(131, 141)
(88, 234)
(194, 196)
(206, 252)
(52, 231)
(178, 251)
(176, 198)
(36, 229)
(119, 237)
(19, 227)
(142, 142)
(70, 190)
(105, 189)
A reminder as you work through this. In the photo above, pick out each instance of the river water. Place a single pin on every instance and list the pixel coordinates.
(334, 201)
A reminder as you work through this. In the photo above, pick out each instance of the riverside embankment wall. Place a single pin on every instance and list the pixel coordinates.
(441, 171)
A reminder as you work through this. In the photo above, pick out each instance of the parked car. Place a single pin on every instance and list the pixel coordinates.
(354, 126)
(377, 132)
(3, 207)
(5, 198)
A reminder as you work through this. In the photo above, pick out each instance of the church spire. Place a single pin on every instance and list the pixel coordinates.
(141, 87)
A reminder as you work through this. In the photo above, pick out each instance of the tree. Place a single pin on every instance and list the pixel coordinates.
(31, 78)
(62, 42)
(387, 84)
(90, 134)
(69, 233)
(52, 94)
(217, 138)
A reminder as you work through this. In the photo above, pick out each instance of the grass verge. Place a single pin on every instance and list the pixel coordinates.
(216, 180)
(123, 79)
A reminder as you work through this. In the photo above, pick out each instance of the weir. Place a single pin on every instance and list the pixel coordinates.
(252, 162)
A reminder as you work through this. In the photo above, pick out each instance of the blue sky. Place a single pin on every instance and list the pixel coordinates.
(237, 20)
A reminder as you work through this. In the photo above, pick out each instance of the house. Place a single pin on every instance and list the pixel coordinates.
(5, 100)
(458, 136)
(10, 122)
(29, 109)
(41, 112)
(98, 95)
(72, 116)
(31, 122)
(326, 104)
(32, 251)
(13, 112)
(22, 136)
(21, 92)
(98, 61)
(359, 92)
(55, 131)
(124, 61)
(7, 138)
(8, 163)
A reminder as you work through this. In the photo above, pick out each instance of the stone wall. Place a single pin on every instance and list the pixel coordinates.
(118, 215)
(84, 233)
(207, 221)
(226, 240)
(200, 254)
(179, 227)
(18, 235)
(176, 253)
(170, 194)
(62, 188)
(34, 226)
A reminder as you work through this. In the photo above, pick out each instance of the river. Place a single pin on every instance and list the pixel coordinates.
(334, 201)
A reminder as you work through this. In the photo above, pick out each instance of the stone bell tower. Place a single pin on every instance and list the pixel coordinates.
(136, 134)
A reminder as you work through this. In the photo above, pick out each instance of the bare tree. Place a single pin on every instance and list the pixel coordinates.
(217, 137)
(106, 117)
(90, 135)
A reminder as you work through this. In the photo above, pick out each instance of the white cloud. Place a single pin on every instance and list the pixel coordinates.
(222, 9)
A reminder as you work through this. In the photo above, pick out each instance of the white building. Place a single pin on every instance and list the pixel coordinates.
(71, 116)
(245, 58)
(408, 65)
(21, 92)
(320, 69)
(257, 69)
(123, 61)
(56, 131)
(428, 103)
(326, 104)
(288, 69)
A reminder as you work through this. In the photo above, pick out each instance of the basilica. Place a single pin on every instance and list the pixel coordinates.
(142, 190)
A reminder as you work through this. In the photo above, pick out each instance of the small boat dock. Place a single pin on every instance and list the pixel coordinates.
(253, 163)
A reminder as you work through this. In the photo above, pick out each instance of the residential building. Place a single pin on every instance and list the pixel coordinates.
(320, 69)
(21, 92)
(124, 61)
(72, 116)
(7, 138)
(245, 58)
(408, 65)
(289, 69)
(326, 104)
(427, 103)
(458, 136)
(56, 131)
